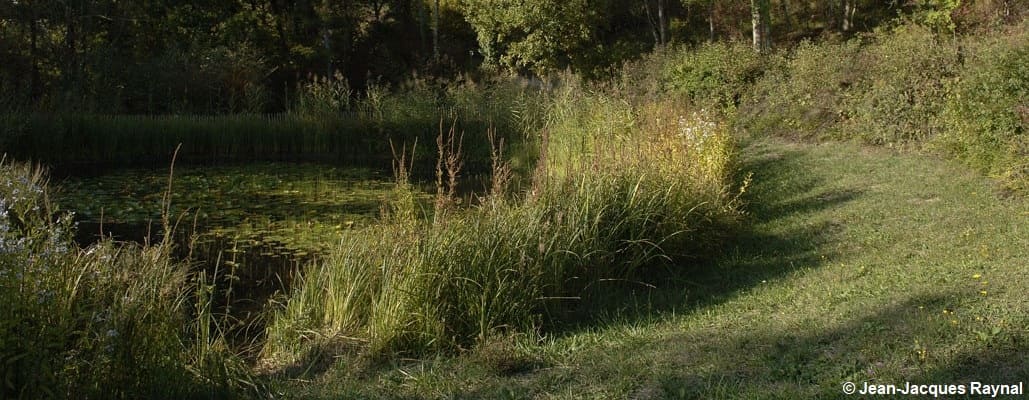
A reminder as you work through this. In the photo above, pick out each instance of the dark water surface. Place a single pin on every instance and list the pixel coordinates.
(257, 222)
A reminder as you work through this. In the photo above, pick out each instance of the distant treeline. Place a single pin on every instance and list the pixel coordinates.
(185, 57)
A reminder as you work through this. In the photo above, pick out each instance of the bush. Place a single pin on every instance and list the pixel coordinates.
(986, 115)
(804, 93)
(715, 75)
(902, 94)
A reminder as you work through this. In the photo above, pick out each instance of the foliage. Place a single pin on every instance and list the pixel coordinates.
(905, 73)
(906, 86)
(619, 190)
(803, 93)
(937, 14)
(986, 115)
(715, 74)
(103, 322)
(537, 36)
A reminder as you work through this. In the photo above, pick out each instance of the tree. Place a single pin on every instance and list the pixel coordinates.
(849, 9)
(531, 35)
(761, 23)
(659, 26)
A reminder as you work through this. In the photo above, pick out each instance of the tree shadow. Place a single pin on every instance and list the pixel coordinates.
(762, 247)
(880, 347)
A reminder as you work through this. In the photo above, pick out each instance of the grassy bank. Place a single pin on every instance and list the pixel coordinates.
(828, 285)
(113, 320)
(590, 191)
(620, 192)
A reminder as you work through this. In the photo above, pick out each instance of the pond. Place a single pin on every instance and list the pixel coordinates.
(261, 221)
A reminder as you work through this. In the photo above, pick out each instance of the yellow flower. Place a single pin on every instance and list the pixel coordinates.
(976, 276)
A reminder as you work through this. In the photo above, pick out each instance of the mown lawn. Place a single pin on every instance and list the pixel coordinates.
(859, 264)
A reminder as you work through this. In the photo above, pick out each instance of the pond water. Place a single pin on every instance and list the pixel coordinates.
(259, 219)
(300, 206)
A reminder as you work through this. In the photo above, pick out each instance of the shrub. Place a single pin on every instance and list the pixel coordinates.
(714, 75)
(986, 115)
(904, 87)
(804, 93)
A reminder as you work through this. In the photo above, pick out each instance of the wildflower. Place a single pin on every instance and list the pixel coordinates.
(976, 276)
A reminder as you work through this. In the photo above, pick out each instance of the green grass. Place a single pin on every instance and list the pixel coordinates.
(861, 265)
(603, 208)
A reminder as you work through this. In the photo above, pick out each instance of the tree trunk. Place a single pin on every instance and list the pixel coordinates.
(34, 84)
(422, 26)
(785, 15)
(849, 9)
(435, 32)
(654, 30)
(327, 44)
(711, 20)
(661, 22)
(70, 41)
(760, 25)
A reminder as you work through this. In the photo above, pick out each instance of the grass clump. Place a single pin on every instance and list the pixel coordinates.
(620, 189)
(108, 321)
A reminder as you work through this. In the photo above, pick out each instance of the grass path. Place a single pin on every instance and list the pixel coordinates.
(862, 265)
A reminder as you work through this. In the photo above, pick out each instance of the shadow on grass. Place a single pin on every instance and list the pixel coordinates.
(782, 190)
(768, 244)
(882, 347)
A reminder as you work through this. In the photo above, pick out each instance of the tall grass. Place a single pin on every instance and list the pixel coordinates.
(329, 124)
(109, 321)
(620, 189)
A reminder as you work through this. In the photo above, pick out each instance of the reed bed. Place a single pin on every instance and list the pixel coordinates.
(620, 191)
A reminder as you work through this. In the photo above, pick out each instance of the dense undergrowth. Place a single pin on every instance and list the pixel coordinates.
(905, 86)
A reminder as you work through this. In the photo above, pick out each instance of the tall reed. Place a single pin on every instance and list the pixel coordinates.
(623, 188)
(109, 321)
